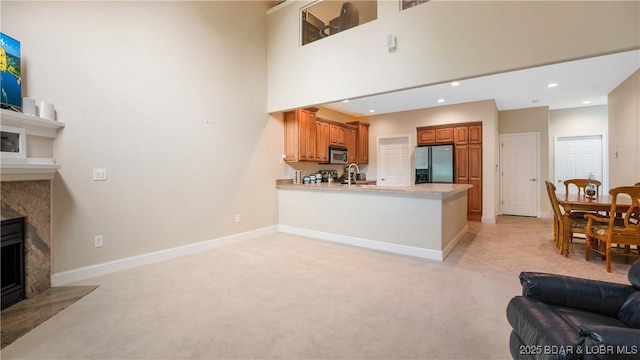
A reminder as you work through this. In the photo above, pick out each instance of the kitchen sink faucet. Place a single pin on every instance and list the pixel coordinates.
(349, 172)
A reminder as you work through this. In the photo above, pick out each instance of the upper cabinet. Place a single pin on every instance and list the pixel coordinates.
(435, 135)
(337, 134)
(300, 135)
(475, 134)
(322, 141)
(308, 138)
(362, 133)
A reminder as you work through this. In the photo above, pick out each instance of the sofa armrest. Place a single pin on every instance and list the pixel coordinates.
(590, 295)
(609, 342)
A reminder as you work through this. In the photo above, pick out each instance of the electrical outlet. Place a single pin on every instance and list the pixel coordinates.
(237, 217)
(98, 241)
(99, 174)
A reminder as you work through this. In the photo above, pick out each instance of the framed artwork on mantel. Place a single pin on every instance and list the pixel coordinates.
(405, 4)
(14, 142)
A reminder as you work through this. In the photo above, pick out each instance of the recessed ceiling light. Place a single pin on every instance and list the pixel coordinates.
(345, 100)
(440, 100)
(552, 85)
(372, 110)
(586, 102)
(455, 83)
(535, 101)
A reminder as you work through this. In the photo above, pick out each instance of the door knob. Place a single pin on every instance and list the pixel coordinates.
(383, 179)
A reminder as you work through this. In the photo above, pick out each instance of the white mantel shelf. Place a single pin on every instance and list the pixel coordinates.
(32, 124)
(29, 168)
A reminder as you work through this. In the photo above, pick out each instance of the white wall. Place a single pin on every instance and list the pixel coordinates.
(437, 42)
(624, 132)
(170, 98)
(406, 122)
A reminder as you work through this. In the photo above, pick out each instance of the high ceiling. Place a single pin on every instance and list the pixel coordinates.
(584, 82)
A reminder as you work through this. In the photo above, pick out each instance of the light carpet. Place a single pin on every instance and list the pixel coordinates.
(288, 297)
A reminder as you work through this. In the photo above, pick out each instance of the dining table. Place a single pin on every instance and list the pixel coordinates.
(581, 202)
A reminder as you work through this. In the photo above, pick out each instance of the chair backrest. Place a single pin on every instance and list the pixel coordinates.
(551, 192)
(636, 184)
(581, 184)
(629, 226)
(349, 17)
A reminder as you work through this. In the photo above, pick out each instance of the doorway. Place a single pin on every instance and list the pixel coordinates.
(394, 161)
(519, 178)
(576, 157)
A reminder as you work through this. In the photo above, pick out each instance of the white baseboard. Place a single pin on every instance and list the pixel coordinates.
(371, 244)
(87, 272)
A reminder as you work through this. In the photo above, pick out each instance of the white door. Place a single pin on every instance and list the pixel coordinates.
(576, 157)
(394, 161)
(520, 174)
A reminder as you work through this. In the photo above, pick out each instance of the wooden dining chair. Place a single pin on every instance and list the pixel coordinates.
(581, 184)
(615, 230)
(577, 224)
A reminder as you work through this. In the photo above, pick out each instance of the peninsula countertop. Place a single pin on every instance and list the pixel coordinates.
(438, 190)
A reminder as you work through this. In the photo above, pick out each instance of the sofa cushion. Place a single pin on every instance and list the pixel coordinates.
(630, 311)
(579, 318)
(518, 349)
(538, 324)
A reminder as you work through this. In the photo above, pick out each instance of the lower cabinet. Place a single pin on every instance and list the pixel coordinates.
(474, 209)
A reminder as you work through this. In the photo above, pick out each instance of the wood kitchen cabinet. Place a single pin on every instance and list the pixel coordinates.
(337, 134)
(467, 139)
(351, 140)
(475, 134)
(474, 197)
(461, 135)
(300, 135)
(435, 135)
(444, 135)
(322, 141)
(426, 136)
(362, 143)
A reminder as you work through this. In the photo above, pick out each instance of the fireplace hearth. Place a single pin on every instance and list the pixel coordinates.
(12, 262)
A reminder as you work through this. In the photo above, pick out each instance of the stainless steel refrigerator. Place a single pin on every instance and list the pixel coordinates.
(434, 164)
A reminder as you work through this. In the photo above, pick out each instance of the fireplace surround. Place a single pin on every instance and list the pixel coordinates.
(31, 200)
(12, 263)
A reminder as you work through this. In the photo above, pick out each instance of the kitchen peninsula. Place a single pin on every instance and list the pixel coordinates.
(425, 220)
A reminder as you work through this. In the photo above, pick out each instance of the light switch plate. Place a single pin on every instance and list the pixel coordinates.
(99, 174)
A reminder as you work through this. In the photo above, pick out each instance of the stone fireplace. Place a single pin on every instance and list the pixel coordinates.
(31, 200)
(25, 187)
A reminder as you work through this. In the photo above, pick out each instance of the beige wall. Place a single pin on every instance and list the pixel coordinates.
(624, 132)
(588, 120)
(531, 120)
(170, 98)
(435, 43)
(406, 122)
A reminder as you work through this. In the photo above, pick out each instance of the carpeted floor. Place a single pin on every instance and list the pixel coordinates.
(288, 297)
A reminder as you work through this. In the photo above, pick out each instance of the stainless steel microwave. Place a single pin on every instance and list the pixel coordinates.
(338, 155)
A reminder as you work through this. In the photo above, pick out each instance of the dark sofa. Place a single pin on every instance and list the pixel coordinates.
(563, 317)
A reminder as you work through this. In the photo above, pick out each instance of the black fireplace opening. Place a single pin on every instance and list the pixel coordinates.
(12, 263)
